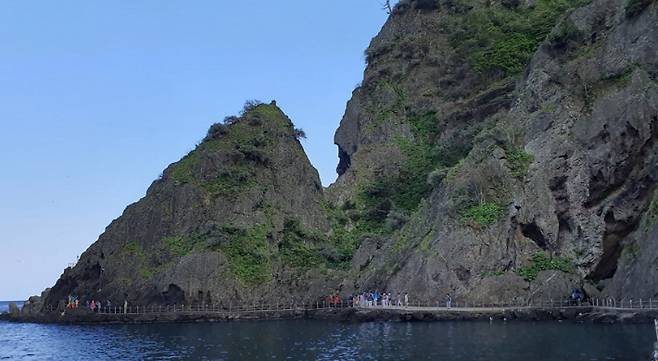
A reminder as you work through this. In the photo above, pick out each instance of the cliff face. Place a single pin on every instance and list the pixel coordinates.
(533, 152)
(238, 218)
(494, 151)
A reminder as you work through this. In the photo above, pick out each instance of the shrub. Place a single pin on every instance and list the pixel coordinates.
(635, 7)
(255, 121)
(483, 214)
(255, 155)
(248, 254)
(427, 5)
(488, 274)
(295, 251)
(518, 161)
(436, 176)
(182, 245)
(396, 220)
(231, 119)
(300, 134)
(132, 248)
(565, 33)
(216, 131)
(506, 56)
(183, 171)
(542, 262)
(454, 170)
(250, 105)
(499, 41)
(230, 182)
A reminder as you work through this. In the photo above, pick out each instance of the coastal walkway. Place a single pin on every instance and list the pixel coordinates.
(286, 310)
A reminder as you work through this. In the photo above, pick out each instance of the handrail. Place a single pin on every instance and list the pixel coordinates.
(242, 308)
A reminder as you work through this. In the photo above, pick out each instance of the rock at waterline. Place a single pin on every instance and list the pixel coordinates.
(13, 309)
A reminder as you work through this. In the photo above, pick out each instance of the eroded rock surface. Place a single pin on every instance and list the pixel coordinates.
(496, 152)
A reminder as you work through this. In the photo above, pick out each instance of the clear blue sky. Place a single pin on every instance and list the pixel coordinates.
(97, 98)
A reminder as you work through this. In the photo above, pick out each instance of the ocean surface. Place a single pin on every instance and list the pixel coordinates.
(325, 340)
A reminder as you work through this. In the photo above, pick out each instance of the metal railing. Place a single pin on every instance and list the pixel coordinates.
(210, 309)
(596, 303)
(255, 308)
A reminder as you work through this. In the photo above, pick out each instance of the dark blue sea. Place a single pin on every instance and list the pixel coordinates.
(325, 340)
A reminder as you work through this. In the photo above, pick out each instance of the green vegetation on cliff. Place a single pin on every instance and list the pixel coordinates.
(249, 254)
(500, 40)
(518, 161)
(483, 214)
(540, 261)
(298, 249)
(246, 145)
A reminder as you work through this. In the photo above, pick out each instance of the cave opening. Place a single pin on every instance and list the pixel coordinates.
(345, 161)
(532, 231)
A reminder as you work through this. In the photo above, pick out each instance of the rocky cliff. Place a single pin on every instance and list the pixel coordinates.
(239, 218)
(494, 151)
(501, 151)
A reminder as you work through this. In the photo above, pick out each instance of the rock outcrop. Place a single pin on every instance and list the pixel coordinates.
(238, 219)
(495, 151)
(533, 179)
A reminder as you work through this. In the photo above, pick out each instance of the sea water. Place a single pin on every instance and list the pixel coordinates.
(328, 340)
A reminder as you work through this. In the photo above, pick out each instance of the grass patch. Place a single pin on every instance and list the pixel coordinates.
(631, 252)
(247, 144)
(518, 161)
(134, 250)
(406, 189)
(425, 246)
(349, 227)
(499, 41)
(652, 213)
(489, 274)
(296, 250)
(454, 170)
(483, 214)
(182, 245)
(540, 261)
(230, 182)
(248, 254)
(183, 171)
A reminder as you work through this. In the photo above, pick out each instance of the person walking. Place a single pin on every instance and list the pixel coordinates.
(406, 299)
(448, 301)
(125, 306)
(399, 300)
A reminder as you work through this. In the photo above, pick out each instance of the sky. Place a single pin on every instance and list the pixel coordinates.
(97, 98)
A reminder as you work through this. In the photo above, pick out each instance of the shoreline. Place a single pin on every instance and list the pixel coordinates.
(411, 314)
